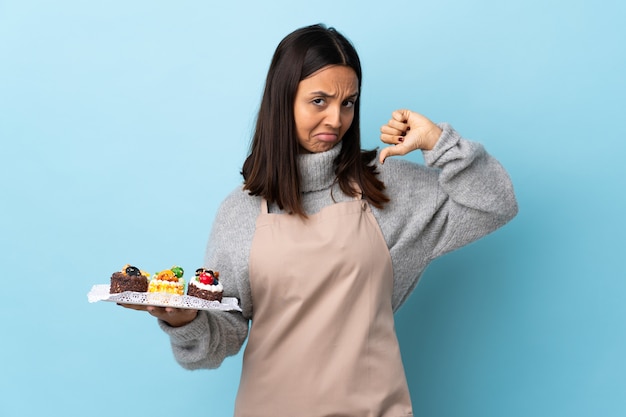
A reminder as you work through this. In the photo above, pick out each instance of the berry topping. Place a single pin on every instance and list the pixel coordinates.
(132, 271)
(205, 278)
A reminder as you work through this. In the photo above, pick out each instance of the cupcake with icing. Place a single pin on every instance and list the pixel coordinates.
(206, 285)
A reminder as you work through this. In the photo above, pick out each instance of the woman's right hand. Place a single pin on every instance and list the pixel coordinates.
(175, 317)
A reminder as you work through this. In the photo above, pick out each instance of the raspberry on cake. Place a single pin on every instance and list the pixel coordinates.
(169, 281)
(205, 284)
(130, 278)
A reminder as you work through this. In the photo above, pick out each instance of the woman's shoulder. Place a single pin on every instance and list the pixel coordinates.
(236, 214)
(239, 200)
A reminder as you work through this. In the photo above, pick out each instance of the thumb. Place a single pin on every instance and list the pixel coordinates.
(388, 151)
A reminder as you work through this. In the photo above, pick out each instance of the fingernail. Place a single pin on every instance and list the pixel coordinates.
(400, 139)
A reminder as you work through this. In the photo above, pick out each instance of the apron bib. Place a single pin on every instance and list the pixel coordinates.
(322, 339)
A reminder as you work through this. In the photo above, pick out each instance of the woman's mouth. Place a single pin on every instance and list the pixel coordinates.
(326, 137)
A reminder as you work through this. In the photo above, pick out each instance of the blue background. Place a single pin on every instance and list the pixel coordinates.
(123, 124)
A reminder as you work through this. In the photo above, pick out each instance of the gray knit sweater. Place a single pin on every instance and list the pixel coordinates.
(460, 195)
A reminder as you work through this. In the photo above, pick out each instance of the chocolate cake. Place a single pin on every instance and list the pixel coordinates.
(129, 278)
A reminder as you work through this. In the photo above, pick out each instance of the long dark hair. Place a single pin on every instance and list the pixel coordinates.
(271, 169)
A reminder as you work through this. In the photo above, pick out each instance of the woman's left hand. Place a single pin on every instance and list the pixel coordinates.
(175, 317)
(408, 131)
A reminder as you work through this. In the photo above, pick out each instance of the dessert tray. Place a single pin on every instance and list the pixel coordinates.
(101, 293)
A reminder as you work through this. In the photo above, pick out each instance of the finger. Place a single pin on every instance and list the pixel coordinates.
(401, 115)
(401, 125)
(394, 131)
(398, 124)
(393, 134)
(391, 139)
(173, 311)
(158, 312)
(138, 307)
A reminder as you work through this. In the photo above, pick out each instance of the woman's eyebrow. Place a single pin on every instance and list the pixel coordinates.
(325, 94)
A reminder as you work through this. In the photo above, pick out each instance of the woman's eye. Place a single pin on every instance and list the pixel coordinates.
(348, 103)
(318, 101)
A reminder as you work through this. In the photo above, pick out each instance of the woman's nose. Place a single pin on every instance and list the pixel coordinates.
(333, 117)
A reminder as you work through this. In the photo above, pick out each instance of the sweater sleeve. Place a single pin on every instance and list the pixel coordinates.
(474, 194)
(215, 335)
(461, 195)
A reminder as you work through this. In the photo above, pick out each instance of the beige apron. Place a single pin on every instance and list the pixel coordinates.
(322, 340)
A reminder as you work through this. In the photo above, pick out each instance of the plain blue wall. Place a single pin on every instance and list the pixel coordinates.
(124, 123)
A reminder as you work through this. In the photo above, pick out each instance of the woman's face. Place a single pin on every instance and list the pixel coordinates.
(324, 107)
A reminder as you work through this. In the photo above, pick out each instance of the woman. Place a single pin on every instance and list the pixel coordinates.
(324, 241)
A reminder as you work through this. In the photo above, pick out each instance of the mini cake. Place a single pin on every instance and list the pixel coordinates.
(206, 285)
(130, 278)
(170, 281)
